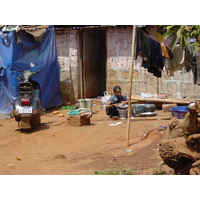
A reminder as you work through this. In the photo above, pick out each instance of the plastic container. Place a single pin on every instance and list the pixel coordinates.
(179, 111)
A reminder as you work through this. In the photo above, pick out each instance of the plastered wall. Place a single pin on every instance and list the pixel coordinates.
(67, 50)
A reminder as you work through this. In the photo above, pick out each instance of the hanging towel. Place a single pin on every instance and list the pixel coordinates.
(166, 52)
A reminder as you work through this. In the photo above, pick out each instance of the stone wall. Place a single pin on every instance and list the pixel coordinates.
(181, 82)
(119, 42)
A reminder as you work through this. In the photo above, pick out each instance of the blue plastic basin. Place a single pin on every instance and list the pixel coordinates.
(179, 111)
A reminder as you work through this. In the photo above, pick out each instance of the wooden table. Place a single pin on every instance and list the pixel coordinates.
(168, 100)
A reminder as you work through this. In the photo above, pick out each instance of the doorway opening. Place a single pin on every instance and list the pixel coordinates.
(93, 63)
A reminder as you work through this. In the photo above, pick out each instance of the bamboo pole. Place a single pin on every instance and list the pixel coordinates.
(130, 86)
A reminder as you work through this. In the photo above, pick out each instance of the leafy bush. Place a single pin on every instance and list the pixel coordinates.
(159, 171)
(115, 171)
(183, 33)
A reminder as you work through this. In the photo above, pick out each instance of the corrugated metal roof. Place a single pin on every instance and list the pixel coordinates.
(64, 27)
(56, 27)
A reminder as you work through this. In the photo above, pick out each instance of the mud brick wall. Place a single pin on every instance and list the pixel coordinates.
(67, 50)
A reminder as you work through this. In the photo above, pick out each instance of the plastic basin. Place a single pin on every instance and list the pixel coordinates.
(179, 111)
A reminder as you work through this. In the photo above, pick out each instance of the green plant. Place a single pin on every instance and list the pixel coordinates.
(117, 170)
(159, 170)
(183, 33)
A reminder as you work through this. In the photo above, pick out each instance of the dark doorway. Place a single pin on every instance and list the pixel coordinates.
(94, 61)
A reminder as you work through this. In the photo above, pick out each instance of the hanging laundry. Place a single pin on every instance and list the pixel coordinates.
(169, 68)
(138, 63)
(166, 51)
(156, 60)
(168, 55)
(198, 69)
(190, 57)
(151, 53)
(179, 54)
(192, 62)
(178, 59)
(143, 47)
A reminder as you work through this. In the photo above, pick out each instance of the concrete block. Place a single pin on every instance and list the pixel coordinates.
(112, 74)
(172, 87)
(125, 75)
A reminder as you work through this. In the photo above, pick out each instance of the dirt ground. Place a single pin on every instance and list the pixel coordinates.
(54, 148)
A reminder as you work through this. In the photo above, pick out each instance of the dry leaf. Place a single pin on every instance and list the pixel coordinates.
(19, 159)
(55, 112)
(11, 165)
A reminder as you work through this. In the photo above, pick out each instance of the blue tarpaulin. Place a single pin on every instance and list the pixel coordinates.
(30, 55)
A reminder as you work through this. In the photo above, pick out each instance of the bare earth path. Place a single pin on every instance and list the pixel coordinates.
(57, 149)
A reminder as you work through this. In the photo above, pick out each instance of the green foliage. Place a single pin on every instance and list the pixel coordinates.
(115, 171)
(159, 170)
(183, 33)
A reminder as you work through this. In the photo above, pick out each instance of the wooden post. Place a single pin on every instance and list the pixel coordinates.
(130, 86)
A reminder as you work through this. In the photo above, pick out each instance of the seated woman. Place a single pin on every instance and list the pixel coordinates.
(112, 105)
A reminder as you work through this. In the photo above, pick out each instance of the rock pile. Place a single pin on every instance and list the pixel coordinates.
(180, 147)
